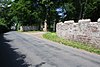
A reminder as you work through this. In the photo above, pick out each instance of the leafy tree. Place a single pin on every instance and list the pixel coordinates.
(32, 12)
(92, 9)
(4, 18)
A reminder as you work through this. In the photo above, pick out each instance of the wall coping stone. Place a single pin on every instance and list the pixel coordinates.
(70, 21)
(84, 20)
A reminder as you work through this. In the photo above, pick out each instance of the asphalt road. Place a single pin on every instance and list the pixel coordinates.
(22, 50)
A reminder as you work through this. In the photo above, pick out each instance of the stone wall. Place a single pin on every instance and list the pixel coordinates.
(28, 28)
(84, 31)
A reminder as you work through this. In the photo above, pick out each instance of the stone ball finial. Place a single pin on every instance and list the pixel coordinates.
(99, 20)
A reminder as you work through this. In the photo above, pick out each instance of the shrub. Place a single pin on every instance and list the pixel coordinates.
(3, 25)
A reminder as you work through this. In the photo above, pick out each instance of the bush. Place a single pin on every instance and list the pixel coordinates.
(3, 25)
(3, 29)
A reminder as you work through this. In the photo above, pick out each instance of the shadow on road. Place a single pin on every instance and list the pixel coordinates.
(8, 56)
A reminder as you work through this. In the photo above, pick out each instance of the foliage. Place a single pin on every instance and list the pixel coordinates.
(32, 12)
(3, 26)
(70, 10)
(92, 10)
(2, 21)
(54, 37)
(4, 18)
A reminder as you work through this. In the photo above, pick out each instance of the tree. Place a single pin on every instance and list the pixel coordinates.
(32, 12)
(4, 18)
(92, 10)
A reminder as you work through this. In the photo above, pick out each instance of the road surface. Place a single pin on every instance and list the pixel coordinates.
(22, 50)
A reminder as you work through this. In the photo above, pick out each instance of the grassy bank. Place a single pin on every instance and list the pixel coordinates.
(55, 38)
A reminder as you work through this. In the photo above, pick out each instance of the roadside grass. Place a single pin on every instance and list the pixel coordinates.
(53, 37)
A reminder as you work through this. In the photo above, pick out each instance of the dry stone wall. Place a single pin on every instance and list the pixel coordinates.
(84, 31)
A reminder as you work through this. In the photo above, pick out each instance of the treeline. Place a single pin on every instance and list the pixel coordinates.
(30, 12)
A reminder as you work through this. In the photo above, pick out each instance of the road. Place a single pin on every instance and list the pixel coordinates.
(22, 50)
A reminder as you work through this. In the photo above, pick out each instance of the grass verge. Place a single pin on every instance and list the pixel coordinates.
(55, 38)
